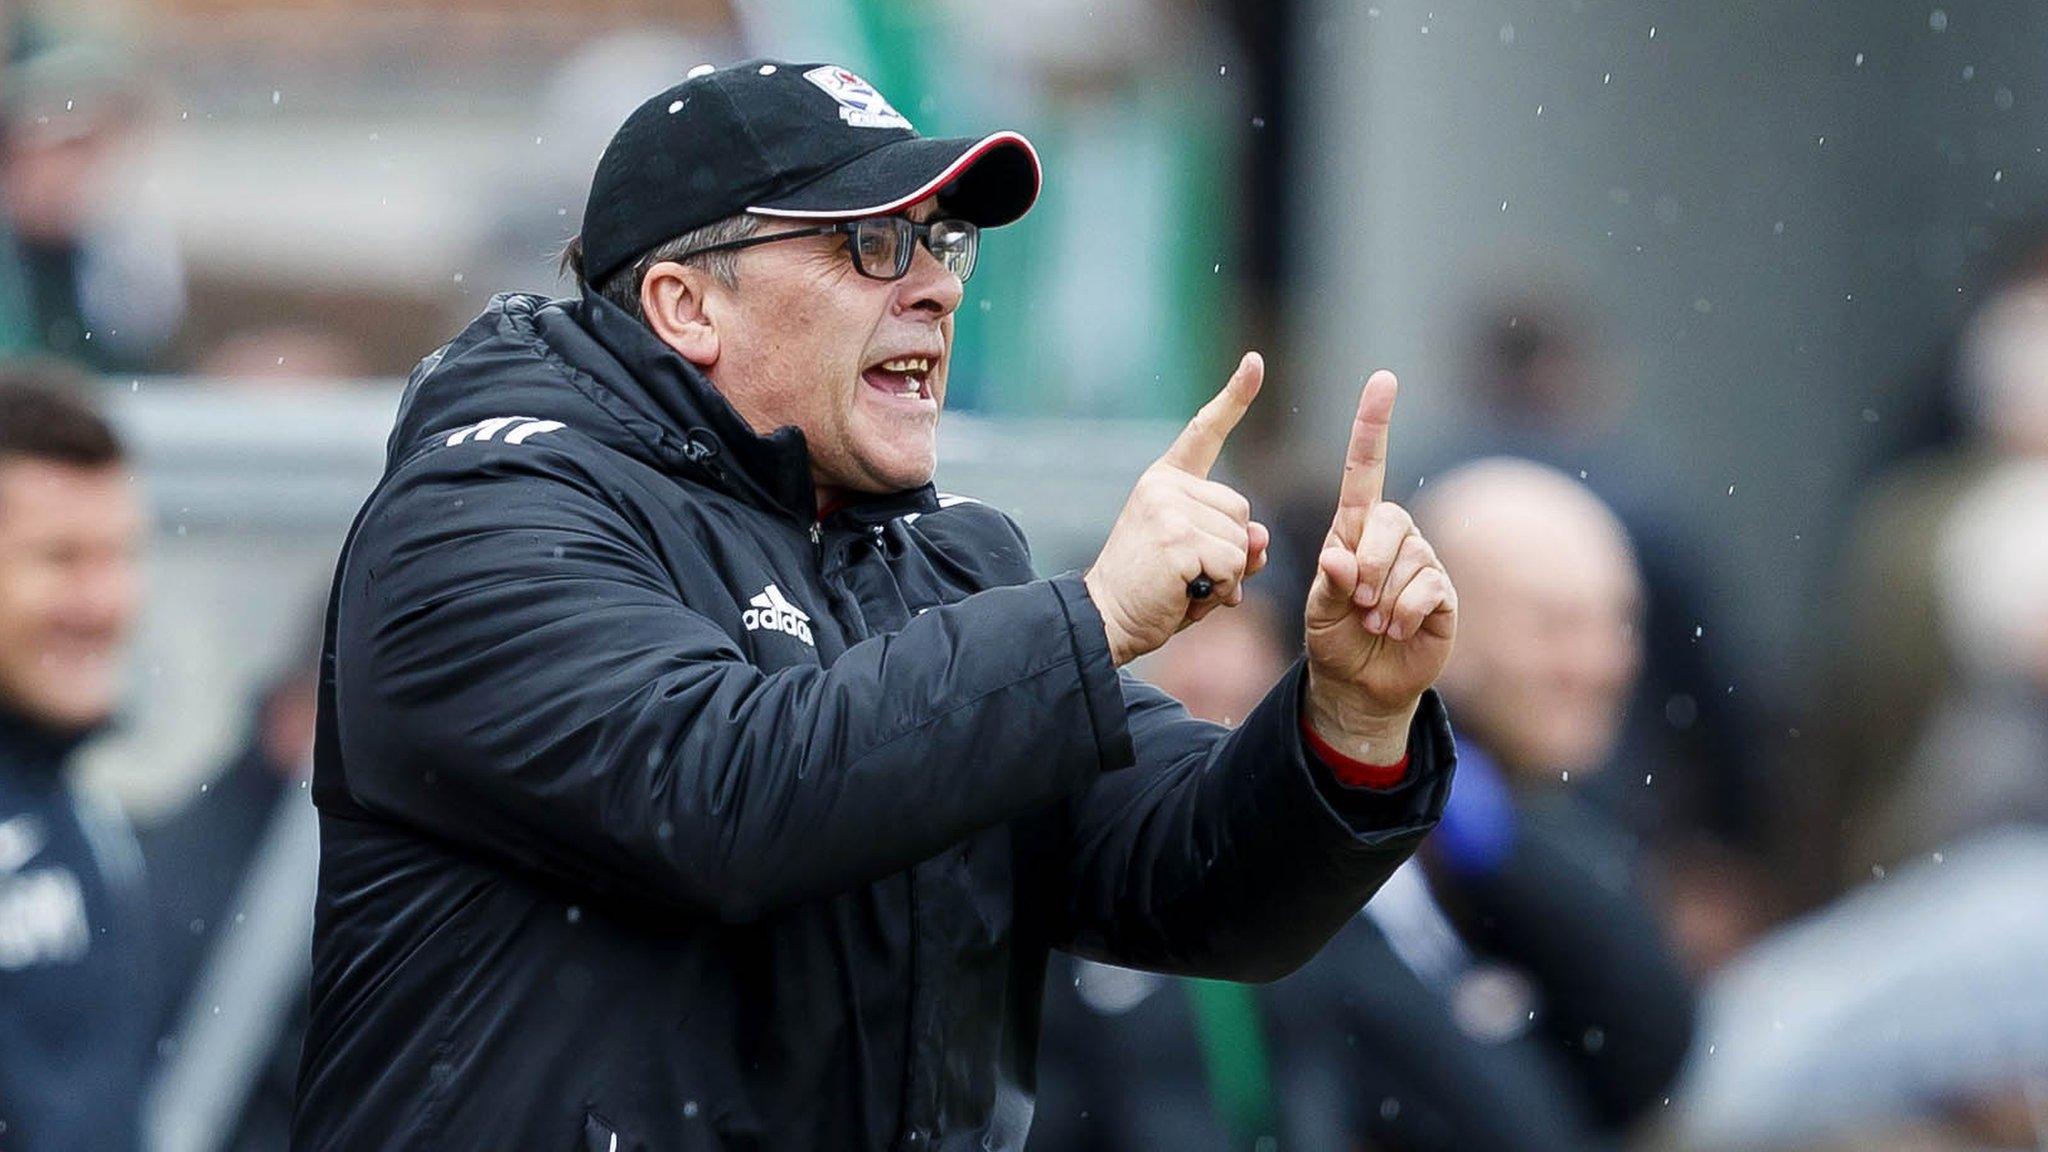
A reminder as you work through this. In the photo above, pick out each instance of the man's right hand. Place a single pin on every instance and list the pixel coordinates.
(1179, 524)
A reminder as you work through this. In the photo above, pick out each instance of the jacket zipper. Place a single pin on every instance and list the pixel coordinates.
(912, 1112)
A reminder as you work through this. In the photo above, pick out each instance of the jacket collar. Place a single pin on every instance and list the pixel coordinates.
(773, 471)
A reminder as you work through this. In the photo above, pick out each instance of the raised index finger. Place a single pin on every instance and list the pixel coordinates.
(1365, 461)
(1196, 448)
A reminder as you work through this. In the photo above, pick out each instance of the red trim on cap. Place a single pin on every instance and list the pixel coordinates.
(1353, 772)
(981, 148)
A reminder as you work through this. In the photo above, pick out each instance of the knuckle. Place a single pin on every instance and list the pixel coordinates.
(1435, 597)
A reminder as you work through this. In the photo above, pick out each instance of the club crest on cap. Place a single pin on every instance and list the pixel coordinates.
(860, 104)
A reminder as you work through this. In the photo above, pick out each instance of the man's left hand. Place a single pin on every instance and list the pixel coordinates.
(1382, 612)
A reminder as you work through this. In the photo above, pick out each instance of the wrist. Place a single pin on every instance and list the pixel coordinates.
(1121, 650)
(1349, 772)
(1354, 726)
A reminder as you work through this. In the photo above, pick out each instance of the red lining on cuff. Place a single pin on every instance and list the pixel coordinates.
(1350, 772)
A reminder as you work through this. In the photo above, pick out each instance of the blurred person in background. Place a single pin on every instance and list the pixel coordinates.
(1511, 990)
(1907, 1016)
(691, 773)
(1982, 759)
(1891, 664)
(1547, 388)
(76, 969)
(232, 878)
(89, 269)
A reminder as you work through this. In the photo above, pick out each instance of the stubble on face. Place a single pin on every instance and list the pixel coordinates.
(802, 342)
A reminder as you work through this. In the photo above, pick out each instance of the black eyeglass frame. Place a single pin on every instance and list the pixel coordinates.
(920, 236)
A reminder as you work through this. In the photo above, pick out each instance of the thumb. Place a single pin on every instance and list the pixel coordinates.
(1329, 598)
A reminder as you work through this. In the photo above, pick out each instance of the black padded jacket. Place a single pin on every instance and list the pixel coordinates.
(656, 814)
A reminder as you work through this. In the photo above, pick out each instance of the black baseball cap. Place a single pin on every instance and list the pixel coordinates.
(809, 141)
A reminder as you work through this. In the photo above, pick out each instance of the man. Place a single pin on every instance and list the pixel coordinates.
(88, 271)
(75, 1030)
(693, 776)
(1510, 990)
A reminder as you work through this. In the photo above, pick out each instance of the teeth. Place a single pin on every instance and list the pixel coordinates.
(912, 386)
(918, 364)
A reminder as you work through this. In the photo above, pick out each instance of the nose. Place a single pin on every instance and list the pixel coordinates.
(928, 286)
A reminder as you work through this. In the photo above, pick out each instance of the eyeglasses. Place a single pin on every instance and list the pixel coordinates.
(881, 246)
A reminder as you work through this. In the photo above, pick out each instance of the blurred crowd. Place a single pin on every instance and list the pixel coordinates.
(1657, 915)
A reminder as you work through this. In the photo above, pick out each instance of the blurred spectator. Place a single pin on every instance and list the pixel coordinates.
(232, 875)
(76, 971)
(1131, 1060)
(1983, 758)
(1550, 391)
(1510, 989)
(1911, 1015)
(87, 270)
(1891, 664)
(1542, 385)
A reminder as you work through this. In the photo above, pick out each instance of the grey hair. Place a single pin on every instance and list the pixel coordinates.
(623, 286)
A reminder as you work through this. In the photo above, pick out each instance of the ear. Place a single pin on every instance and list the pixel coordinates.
(673, 299)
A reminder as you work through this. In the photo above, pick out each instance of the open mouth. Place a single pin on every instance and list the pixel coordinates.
(907, 377)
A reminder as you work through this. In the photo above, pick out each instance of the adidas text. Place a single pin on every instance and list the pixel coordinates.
(772, 612)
